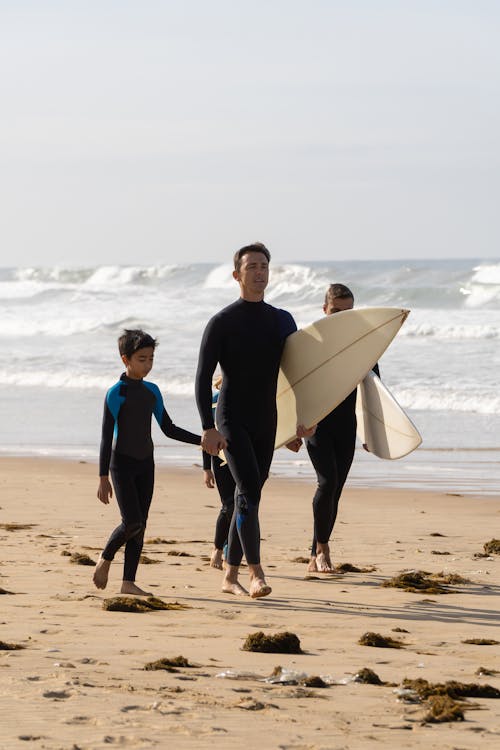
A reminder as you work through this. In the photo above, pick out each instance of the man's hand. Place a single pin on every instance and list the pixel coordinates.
(213, 442)
(305, 432)
(208, 478)
(104, 491)
(294, 445)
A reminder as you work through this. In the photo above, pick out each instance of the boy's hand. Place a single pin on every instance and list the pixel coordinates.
(105, 490)
(208, 478)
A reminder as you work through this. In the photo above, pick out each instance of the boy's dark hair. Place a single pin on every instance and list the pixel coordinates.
(338, 291)
(256, 247)
(134, 339)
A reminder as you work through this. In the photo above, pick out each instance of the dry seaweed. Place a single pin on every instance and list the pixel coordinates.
(349, 568)
(492, 547)
(145, 560)
(399, 630)
(10, 646)
(280, 643)
(437, 552)
(368, 677)
(450, 578)
(451, 688)
(160, 540)
(314, 681)
(379, 641)
(300, 559)
(177, 553)
(485, 672)
(134, 604)
(80, 558)
(481, 641)
(443, 708)
(17, 526)
(417, 582)
(168, 664)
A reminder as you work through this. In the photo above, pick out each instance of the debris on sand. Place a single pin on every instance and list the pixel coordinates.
(168, 664)
(368, 677)
(380, 641)
(485, 672)
(17, 526)
(350, 568)
(443, 708)
(423, 582)
(136, 604)
(178, 553)
(492, 547)
(160, 540)
(452, 689)
(4, 591)
(481, 641)
(280, 643)
(145, 560)
(80, 558)
(10, 646)
(300, 559)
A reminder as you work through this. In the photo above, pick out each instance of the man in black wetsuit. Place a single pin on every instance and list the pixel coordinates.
(246, 339)
(331, 450)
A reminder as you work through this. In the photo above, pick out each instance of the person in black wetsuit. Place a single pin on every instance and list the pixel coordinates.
(246, 339)
(331, 450)
(216, 474)
(127, 450)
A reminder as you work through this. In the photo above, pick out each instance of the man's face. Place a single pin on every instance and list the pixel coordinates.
(253, 275)
(337, 305)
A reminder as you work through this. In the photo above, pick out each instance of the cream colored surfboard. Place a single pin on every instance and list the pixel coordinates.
(322, 363)
(382, 424)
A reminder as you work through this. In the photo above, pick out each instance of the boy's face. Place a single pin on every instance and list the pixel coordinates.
(337, 305)
(140, 363)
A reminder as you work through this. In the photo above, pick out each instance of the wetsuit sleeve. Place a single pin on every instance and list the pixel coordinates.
(108, 426)
(177, 433)
(207, 362)
(207, 461)
(287, 323)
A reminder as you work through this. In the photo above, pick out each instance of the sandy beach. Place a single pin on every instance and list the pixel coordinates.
(79, 681)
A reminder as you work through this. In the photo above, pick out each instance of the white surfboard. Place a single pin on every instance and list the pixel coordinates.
(322, 363)
(382, 424)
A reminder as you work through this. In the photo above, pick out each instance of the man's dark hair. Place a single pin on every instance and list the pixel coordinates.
(132, 340)
(338, 291)
(256, 247)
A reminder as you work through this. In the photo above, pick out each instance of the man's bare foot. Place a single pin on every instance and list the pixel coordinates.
(216, 559)
(312, 567)
(259, 588)
(101, 573)
(129, 587)
(230, 583)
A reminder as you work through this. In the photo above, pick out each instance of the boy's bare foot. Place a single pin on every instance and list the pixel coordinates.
(312, 567)
(230, 583)
(259, 588)
(323, 561)
(129, 587)
(101, 573)
(216, 559)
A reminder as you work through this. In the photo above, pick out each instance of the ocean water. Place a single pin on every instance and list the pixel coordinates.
(59, 326)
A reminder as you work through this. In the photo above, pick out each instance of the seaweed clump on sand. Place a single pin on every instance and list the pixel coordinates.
(443, 708)
(80, 558)
(492, 547)
(168, 664)
(145, 560)
(416, 581)
(17, 526)
(368, 677)
(4, 591)
(380, 641)
(10, 646)
(280, 643)
(135, 604)
(486, 672)
(350, 568)
(452, 689)
(481, 641)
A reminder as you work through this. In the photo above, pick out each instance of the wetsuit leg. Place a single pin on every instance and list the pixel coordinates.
(249, 457)
(331, 456)
(225, 486)
(133, 483)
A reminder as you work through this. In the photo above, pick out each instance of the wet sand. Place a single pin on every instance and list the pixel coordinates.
(79, 680)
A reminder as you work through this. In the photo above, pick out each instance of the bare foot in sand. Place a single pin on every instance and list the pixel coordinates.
(216, 559)
(323, 561)
(258, 585)
(312, 567)
(129, 587)
(101, 573)
(230, 583)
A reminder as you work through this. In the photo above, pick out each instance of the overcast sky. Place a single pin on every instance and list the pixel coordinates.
(170, 131)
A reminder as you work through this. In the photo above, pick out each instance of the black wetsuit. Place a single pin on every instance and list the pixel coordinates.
(127, 451)
(331, 450)
(246, 339)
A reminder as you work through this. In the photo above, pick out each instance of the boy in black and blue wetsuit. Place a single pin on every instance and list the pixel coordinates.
(127, 451)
